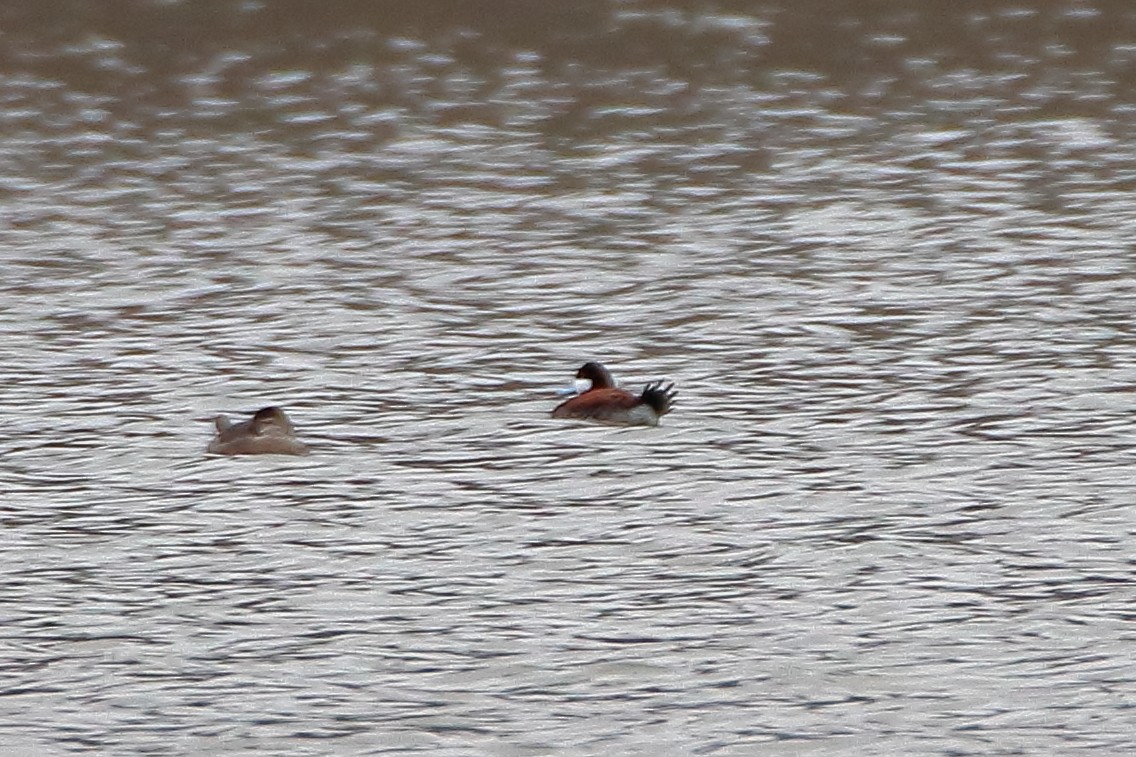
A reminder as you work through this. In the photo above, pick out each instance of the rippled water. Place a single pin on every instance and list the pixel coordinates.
(885, 254)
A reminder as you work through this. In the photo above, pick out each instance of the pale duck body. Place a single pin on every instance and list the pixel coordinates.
(268, 432)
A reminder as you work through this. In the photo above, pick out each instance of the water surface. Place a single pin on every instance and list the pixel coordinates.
(886, 254)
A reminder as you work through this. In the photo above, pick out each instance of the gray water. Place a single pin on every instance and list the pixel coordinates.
(886, 255)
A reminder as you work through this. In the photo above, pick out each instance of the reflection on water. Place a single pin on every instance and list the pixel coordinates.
(884, 253)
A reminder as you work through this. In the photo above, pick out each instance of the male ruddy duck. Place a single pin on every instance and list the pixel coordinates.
(605, 402)
(268, 432)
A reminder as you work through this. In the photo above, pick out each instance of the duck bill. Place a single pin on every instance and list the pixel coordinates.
(579, 386)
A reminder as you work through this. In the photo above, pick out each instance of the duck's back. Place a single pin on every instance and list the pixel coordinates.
(255, 438)
(608, 405)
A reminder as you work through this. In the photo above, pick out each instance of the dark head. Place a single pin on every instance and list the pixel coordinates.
(270, 416)
(658, 397)
(597, 374)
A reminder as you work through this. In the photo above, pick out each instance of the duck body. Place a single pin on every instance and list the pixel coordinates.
(604, 402)
(268, 432)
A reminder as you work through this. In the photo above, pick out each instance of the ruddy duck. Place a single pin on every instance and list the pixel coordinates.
(269, 432)
(603, 401)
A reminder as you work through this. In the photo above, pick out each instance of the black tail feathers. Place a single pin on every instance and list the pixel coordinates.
(659, 397)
